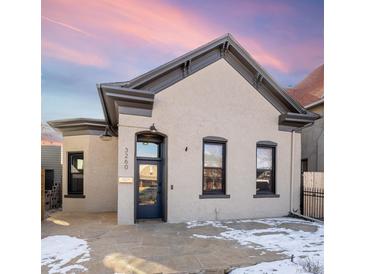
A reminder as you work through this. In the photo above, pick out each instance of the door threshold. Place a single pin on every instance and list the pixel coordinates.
(150, 221)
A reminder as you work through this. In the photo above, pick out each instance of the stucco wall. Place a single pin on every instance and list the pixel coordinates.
(100, 173)
(215, 101)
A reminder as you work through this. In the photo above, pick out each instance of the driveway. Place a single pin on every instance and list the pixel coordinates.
(93, 243)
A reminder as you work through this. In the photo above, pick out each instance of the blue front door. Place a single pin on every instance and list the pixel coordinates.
(149, 186)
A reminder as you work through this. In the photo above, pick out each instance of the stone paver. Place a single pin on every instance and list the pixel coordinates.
(154, 247)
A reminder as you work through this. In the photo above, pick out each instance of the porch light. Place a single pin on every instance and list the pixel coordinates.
(106, 136)
(153, 128)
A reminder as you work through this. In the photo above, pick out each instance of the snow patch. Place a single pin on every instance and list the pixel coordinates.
(207, 237)
(59, 250)
(301, 244)
(280, 267)
(217, 224)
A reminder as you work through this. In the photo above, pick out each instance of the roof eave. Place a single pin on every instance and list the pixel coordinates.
(79, 126)
(296, 120)
(117, 99)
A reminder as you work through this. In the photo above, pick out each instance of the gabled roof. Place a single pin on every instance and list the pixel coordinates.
(136, 96)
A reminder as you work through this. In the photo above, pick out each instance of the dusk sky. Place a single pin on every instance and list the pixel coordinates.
(85, 42)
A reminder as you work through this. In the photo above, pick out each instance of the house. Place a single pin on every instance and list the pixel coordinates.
(209, 135)
(309, 93)
(51, 162)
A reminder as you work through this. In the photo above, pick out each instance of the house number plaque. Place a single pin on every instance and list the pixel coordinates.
(125, 180)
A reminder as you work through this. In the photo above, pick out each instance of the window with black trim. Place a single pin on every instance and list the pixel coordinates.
(214, 166)
(265, 168)
(76, 173)
(49, 179)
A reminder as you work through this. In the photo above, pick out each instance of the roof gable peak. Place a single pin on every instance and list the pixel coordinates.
(119, 95)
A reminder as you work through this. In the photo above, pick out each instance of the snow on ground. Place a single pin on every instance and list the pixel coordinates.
(303, 245)
(277, 267)
(60, 250)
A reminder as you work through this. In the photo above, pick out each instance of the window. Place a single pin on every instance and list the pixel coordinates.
(265, 167)
(148, 150)
(214, 166)
(49, 179)
(76, 173)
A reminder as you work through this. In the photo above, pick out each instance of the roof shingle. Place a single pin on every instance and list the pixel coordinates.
(310, 89)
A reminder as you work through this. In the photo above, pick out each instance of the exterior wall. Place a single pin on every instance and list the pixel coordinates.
(313, 145)
(216, 101)
(100, 173)
(51, 159)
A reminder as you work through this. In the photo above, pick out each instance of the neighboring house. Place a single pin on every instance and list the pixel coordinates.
(309, 93)
(51, 157)
(209, 135)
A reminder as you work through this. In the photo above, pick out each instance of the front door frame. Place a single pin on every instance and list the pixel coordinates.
(158, 163)
(146, 135)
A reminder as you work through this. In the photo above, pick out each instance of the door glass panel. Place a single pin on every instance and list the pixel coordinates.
(148, 184)
(146, 149)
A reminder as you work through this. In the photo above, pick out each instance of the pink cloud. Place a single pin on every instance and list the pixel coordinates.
(57, 51)
(262, 55)
(135, 24)
(163, 24)
(306, 55)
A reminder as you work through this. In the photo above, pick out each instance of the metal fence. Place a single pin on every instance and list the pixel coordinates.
(312, 195)
(42, 193)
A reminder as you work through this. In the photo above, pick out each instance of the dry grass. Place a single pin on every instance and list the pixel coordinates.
(312, 266)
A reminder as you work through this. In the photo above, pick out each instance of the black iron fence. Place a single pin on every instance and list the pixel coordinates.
(312, 194)
(313, 202)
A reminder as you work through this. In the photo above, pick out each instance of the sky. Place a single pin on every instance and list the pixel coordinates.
(85, 42)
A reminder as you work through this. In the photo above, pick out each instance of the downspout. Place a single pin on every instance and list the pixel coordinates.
(291, 211)
(291, 170)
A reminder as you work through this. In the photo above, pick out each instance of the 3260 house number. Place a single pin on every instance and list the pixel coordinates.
(125, 162)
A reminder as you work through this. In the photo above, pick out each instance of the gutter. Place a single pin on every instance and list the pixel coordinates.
(106, 115)
(291, 170)
(314, 104)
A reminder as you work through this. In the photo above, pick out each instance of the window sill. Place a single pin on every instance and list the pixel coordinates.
(82, 196)
(266, 195)
(214, 196)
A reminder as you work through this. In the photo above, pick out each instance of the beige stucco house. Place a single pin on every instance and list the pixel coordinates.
(209, 135)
